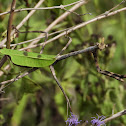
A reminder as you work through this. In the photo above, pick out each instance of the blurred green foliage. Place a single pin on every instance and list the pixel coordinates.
(88, 91)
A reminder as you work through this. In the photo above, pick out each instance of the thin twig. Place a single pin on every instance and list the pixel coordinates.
(54, 75)
(121, 113)
(42, 8)
(75, 12)
(71, 10)
(2, 87)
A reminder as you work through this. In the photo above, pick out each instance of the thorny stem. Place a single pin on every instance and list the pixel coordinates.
(54, 75)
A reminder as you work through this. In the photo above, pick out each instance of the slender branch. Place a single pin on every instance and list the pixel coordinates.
(121, 113)
(50, 26)
(71, 29)
(43, 8)
(101, 16)
(75, 12)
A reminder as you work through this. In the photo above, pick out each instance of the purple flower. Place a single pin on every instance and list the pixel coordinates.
(98, 122)
(72, 120)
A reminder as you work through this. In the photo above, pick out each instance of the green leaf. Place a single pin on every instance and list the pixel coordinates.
(29, 59)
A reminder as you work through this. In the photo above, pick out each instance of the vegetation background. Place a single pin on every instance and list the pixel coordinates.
(25, 104)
